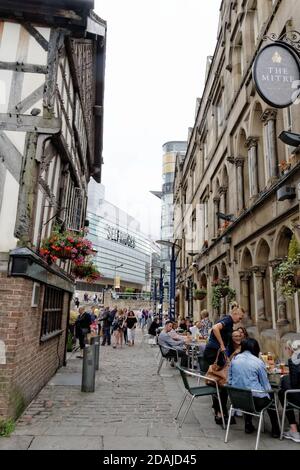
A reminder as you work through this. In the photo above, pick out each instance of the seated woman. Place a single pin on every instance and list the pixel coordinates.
(289, 382)
(243, 332)
(234, 346)
(248, 371)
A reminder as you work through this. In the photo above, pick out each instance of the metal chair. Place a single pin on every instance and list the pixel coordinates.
(288, 405)
(195, 392)
(242, 400)
(166, 356)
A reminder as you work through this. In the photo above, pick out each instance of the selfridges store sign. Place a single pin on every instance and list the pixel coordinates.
(118, 236)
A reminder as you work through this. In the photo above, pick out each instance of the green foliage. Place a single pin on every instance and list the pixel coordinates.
(129, 290)
(199, 294)
(294, 249)
(222, 290)
(286, 270)
(6, 427)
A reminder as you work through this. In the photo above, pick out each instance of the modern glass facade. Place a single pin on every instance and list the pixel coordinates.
(118, 240)
(170, 151)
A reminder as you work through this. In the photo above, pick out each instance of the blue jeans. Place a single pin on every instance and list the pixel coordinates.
(106, 335)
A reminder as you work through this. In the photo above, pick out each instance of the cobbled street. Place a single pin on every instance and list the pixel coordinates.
(131, 408)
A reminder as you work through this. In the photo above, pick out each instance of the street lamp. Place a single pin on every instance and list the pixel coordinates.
(171, 245)
(115, 268)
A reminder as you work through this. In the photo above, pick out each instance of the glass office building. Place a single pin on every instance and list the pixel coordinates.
(170, 151)
(124, 254)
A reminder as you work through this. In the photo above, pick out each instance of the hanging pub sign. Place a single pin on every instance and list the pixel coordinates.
(276, 74)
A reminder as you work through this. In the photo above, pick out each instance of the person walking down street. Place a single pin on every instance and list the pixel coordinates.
(117, 326)
(76, 302)
(131, 322)
(219, 340)
(125, 325)
(288, 382)
(153, 327)
(106, 327)
(82, 328)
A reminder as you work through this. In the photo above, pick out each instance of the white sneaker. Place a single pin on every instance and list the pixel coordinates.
(294, 436)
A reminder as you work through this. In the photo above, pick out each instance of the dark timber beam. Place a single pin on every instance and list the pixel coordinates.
(26, 68)
(37, 35)
(30, 100)
(28, 192)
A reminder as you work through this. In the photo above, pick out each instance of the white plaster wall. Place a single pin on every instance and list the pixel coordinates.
(9, 43)
(8, 213)
(18, 139)
(5, 83)
(36, 54)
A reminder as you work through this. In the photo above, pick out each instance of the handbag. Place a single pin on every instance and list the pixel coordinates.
(216, 372)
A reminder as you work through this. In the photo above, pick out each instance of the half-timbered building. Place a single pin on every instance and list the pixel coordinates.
(52, 61)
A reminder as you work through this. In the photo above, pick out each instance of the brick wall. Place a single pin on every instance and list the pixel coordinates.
(29, 363)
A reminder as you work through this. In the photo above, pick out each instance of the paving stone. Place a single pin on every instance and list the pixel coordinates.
(15, 442)
(131, 408)
(67, 443)
(136, 443)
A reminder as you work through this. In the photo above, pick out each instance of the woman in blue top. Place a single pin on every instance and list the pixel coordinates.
(248, 371)
(219, 339)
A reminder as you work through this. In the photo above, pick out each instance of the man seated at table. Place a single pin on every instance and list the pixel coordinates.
(166, 341)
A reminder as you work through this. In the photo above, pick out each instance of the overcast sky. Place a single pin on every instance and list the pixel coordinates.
(155, 68)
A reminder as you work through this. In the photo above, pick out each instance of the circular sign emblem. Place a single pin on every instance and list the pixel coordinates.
(276, 74)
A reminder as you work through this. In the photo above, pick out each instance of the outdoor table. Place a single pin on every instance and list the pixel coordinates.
(194, 349)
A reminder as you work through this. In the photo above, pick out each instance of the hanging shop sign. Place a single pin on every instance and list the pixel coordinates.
(276, 74)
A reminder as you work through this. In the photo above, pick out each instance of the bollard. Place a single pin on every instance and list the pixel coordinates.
(95, 340)
(88, 369)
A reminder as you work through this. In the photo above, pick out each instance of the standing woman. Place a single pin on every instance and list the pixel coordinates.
(117, 325)
(125, 311)
(82, 328)
(131, 326)
(219, 340)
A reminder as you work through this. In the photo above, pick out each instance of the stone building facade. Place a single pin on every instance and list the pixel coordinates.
(232, 169)
(52, 60)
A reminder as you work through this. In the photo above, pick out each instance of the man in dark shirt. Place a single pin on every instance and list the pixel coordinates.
(219, 340)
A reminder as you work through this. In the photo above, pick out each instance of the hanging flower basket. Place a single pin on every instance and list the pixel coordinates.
(87, 271)
(224, 290)
(288, 271)
(220, 291)
(66, 245)
(200, 294)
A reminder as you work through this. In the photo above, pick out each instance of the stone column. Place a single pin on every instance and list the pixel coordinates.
(222, 193)
(245, 276)
(269, 120)
(279, 307)
(260, 293)
(240, 182)
(251, 144)
(216, 201)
